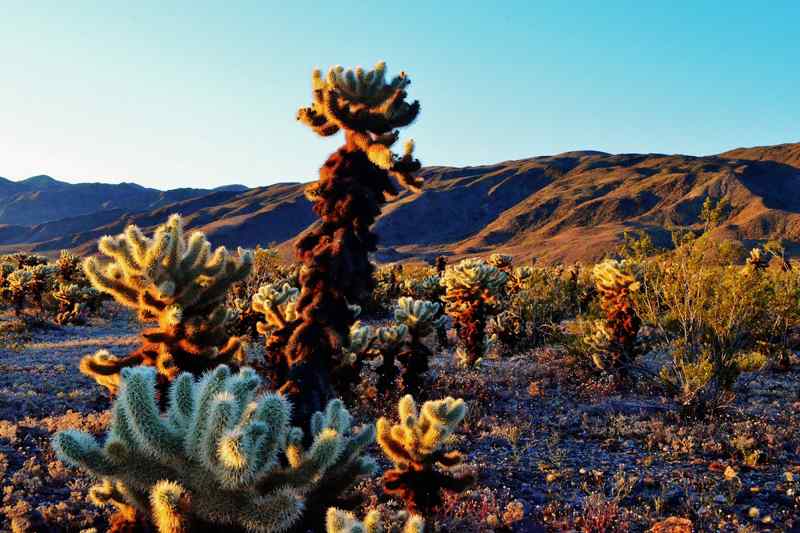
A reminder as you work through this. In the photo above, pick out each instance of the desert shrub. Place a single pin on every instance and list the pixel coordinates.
(417, 446)
(69, 267)
(221, 456)
(472, 294)
(706, 315)
(176, 282)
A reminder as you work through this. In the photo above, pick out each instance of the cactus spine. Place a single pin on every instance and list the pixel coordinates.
(180, 284)
(214, 457)
(353, 185)
(416, 446)
(472, 288)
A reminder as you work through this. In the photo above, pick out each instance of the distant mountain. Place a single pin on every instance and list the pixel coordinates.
(42, 199)
(566, 207)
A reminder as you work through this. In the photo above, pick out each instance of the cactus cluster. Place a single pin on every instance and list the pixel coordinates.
(472, 291)
(177, 282)
(338, 521)
(221, 455)
(423, 467)
(27, 284)
(614, 339)
(354, 184)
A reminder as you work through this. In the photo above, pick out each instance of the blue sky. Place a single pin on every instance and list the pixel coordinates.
(172, 94)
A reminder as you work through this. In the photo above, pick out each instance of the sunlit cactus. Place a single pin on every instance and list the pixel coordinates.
(614, 340)
(354, 184)
(177, 282)
(69, 267)
(501, 262)
(422, 318)
(338, 521)
(221, 455)
(16, 290)
(423, 467)
(278, 307)
(71, 303)
(757, 260)
(519, 279)
(472, 288)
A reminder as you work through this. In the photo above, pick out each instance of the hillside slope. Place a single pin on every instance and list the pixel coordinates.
(566, 207)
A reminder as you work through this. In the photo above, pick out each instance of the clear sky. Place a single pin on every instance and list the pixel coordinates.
(172, 94)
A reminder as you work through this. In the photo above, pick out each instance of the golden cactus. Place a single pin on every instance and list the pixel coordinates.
(614, 340)
(177, 282)
(338, 521)
(472, 291)
(416, 445)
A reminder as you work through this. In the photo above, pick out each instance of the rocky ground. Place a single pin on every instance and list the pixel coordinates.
(550, 455)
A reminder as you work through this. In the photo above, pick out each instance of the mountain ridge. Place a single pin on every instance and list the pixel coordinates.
(564, 207)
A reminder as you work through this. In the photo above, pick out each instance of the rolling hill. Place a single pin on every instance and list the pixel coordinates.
(565, 207)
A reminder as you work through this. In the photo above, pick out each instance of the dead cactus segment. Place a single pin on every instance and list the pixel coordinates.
(178, 283)
(416, 445)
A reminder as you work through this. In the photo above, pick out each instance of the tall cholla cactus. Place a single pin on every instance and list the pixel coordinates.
(278, 305)
(219, 457)
(614, 339)
(353, 185)
(391, 340)
(472, 288)
(416, 446)
(177, 282)
(16, 290)
(421, 318)
(338, 521)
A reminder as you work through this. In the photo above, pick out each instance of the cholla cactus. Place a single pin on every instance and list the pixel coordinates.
(519, 279)
(472, 288)
(614, 340)
(422, 318)
(338, 521)
(757, 260)
(501, 262)
(17, 290)
(69, 267)
(214, 458)
(177, 282)
(391, 340)
(416, 446)
(71, 303)
(354, 184)
(277, 305)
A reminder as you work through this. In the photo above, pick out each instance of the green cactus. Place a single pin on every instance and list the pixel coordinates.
(180, 284)
(338, 521)
(472, 291)
(214, 458)
(416, 446)
(422, 318)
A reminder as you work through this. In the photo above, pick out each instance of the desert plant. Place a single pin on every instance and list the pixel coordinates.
(338, 521)
(353, 186)
(421, 318)
(221, 456)
(416, 446)
(390, 340)
(69, 267)
(472, 288)
(71, 303)
(430, 288)
(706, 315)
(178, 283)
(614, 343)
(16, 291)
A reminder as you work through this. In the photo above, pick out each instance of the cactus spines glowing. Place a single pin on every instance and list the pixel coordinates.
(278, 305)
(338, 521)
(614, 341)
(354, 184)
(472, 288)
(214, 457)
(416, 446)
(179, 283)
